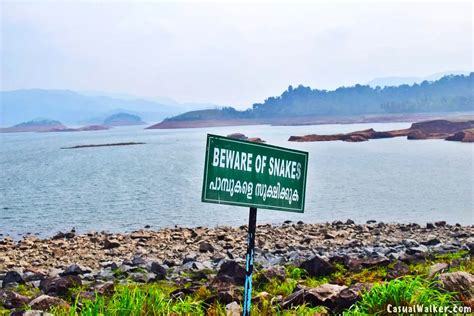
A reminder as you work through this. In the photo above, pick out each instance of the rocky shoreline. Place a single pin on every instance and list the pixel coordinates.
(462, 131)
(99, 260)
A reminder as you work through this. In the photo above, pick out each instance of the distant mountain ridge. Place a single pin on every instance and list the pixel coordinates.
(394, 81)
(452, 93)
(75, 108)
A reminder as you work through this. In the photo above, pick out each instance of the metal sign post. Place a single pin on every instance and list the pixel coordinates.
(249, 260)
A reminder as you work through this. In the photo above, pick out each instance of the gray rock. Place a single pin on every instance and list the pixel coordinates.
(158, 270)
(12, 279)
(138, 261)
(410, 243)
(233, 309)
(437, 268)
(431, 242)
(418, 249)
(440, 223)
(76, 269)
(318, 266)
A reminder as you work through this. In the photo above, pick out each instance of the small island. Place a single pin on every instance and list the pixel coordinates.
(47, 126)
(123, 119)
(36, 125)
(462, 131)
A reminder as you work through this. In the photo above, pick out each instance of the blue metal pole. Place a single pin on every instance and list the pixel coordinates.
(249, 261)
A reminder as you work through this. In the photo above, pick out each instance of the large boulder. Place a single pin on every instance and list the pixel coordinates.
(325, 295)
(460, 282)
(318, 266)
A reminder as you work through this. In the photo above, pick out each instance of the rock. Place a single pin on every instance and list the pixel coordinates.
(431, 242)
(350, 222)
(138, 261)
(11, 300)
(139, 277)
(325, 295)
(255, 140)
(206, 247)
(233, 309)
(466, 136)
(330, 235)
(30, 313)
(61, 235)
(399, 269)
(106, 289)
(418, 249)
(460, 282)
(440, 223)
(45, 302)
(430, 226)
(59, 286)
(238, 136)
(294, 299)
(223, 297)
(12, 279)
(410, 243)
(371, 221)
(357, 264)
(231, 271)
(158, 270)
(111, 243)
(437, 268)
(76, 269)
(349, 296)
(318, 266)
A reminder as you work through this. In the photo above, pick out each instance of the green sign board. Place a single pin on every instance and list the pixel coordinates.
(243, 173)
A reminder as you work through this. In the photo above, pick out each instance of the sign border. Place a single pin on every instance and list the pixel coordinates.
(243, 204)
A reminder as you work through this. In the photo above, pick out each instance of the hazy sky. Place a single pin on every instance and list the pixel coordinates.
(227, 53)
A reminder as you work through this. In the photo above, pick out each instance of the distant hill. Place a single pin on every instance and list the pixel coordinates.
(37, 125)
(397, 81)
(123, 119)
(76, 108)
(452, 93)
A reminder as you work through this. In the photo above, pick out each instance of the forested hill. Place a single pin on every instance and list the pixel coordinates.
(448, 94)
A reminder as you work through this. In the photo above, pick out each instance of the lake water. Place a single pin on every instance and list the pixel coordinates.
(45, 189)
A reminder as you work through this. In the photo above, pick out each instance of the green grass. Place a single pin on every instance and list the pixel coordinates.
(405, 291)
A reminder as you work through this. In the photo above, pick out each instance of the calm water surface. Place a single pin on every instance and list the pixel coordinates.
(45, 189)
